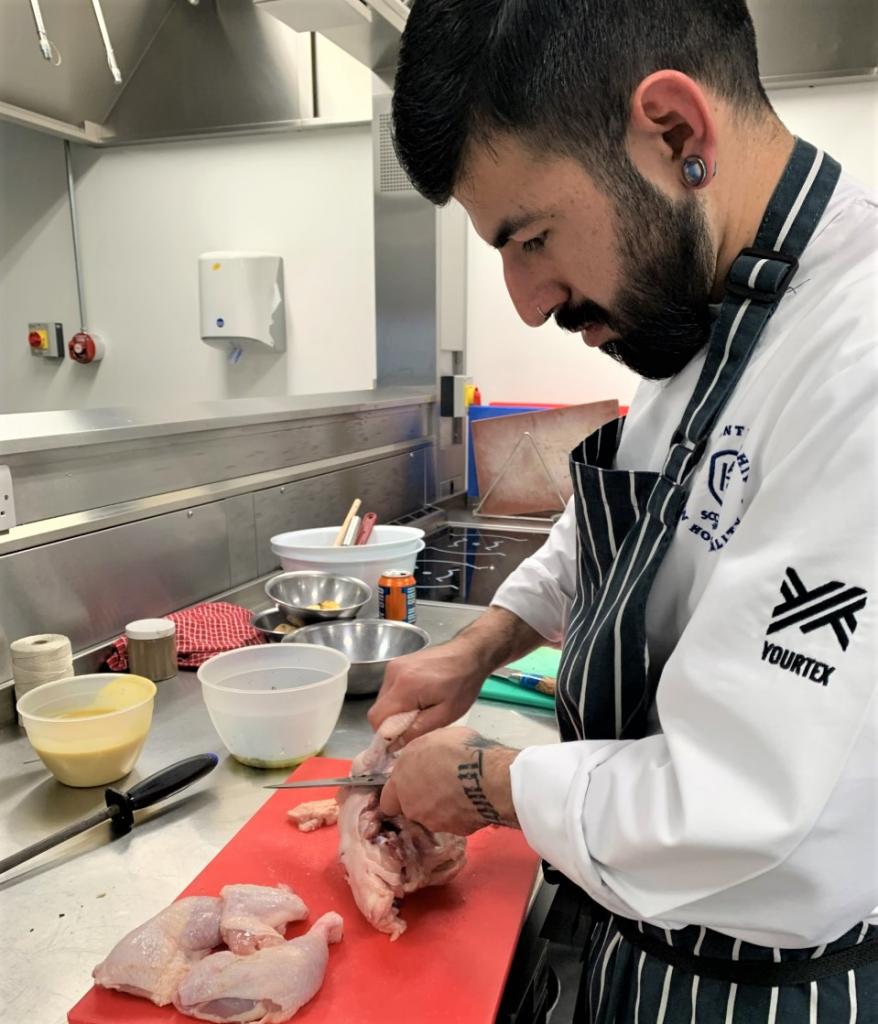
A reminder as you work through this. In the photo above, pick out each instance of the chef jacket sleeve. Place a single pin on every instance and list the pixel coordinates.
(543, 586)
(753, 812)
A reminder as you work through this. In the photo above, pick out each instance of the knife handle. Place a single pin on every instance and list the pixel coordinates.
(158, 786)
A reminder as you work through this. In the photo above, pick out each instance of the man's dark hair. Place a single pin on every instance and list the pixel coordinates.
(557, 74)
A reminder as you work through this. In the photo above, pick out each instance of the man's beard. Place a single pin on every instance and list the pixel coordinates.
(661, 316)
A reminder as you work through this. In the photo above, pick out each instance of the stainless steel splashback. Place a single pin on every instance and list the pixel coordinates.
(129, 520)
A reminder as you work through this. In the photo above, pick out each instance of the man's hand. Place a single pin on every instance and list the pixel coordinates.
(443, 682)
(437, 680)
(452, 780)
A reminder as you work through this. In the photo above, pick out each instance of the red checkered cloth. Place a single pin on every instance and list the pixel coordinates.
(202, 631)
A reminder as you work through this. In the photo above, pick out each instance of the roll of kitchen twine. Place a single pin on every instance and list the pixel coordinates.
(39, 659)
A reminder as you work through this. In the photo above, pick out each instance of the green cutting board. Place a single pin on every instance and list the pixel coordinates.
(541, 662)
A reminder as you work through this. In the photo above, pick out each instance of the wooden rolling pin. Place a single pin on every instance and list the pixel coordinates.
(352, 511)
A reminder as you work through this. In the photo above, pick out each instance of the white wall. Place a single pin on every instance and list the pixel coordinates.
(512, 362)
(842, 119)
(146, 212)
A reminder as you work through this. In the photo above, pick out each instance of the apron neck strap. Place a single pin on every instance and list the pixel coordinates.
(755, 284)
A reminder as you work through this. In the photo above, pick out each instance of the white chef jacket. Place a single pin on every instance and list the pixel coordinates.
(753, 808)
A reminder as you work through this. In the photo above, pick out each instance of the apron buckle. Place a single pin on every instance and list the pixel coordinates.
(775, 270)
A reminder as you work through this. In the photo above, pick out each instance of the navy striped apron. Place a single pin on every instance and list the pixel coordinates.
(625, 523)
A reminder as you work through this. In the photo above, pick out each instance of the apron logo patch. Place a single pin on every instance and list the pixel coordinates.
(800, 664)
(832, 606)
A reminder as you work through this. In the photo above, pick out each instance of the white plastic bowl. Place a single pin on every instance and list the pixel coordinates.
(316, 545)
(271, 708)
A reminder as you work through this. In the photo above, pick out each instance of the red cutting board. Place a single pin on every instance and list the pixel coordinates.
(449, 967)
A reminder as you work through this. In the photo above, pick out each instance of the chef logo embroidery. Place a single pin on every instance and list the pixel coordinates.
(722, 468)
(832, 606)
(714, 526)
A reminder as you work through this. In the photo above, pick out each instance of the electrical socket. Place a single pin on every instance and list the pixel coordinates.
(7, 502)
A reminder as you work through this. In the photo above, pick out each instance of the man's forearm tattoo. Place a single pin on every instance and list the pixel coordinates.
(470, 775)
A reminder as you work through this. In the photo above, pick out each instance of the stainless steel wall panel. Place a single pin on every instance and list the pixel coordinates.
(48, 484)
(48, 531)
(391, 487)
(240, 513)
(809, 42)
(87, 588)
(420, 282)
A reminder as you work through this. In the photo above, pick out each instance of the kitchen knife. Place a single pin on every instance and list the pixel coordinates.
(526, 680)
(373, 779)
(121, 806)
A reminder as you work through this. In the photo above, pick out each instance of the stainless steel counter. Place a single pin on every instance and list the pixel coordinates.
(63, 911)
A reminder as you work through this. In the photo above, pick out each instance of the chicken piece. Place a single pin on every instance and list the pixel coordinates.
(314, 814)
(152, 960)
(386, 858)
(267, 987)
(256, 916)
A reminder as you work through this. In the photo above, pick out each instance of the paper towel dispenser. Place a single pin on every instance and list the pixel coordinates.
(241, 298)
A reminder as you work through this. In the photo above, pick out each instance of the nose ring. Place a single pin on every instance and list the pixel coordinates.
(545, 316)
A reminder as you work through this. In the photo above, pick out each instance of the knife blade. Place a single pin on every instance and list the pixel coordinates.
(374, 779)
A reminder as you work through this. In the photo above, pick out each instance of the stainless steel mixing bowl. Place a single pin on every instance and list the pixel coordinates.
(370, 645)
(293, 592)
(271, 624)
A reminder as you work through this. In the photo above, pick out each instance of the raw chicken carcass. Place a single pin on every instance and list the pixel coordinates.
(386, 858)
(267, 987)
(314, 814)
(255, 916)
(152, 960)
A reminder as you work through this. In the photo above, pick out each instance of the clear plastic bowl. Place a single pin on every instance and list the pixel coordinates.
(83, 739)
(274, 705)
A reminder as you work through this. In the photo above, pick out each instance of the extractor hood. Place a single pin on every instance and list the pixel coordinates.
(189, 67)
(369, 30)
(201, 67)
(801, 42)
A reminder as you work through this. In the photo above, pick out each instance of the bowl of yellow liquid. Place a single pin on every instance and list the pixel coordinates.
(89, 730)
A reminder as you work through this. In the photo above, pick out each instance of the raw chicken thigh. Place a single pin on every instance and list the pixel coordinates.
(256, 916)
(314, 814)
(386, 858)
(267, 987)
(152, 960)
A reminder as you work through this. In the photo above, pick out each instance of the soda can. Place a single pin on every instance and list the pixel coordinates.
(396, 596)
